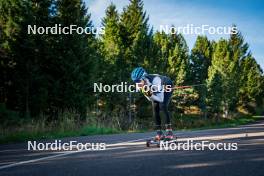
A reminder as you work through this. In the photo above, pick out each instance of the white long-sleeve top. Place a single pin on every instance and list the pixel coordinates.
(156, 86)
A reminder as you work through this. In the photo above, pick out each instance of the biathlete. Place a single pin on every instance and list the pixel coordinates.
(157, 89)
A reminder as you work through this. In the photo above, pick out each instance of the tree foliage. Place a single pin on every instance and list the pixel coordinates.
(48, 74)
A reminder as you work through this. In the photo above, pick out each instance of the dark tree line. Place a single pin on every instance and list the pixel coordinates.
(50, 74)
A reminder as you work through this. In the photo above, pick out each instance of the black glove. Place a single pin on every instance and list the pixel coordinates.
(147, 92)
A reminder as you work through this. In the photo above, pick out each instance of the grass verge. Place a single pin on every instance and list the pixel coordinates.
(37, 131)
(200, 123)
(68, 128)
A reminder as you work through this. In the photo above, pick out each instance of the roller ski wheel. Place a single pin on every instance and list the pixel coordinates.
(154, 141)
(148, 143)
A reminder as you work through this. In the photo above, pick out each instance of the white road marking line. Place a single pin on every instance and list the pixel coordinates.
(212, 138)
(127, 142)
(227, 136)
(35, 160)
(67, 153)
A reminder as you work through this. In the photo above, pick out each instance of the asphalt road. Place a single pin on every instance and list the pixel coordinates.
(127, 154)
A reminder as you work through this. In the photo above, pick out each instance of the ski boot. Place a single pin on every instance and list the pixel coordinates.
(159, 136)
(169, 135)
(155, 140)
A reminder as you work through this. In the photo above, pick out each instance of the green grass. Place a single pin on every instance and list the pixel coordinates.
(21, 136)
(193, 122)
(35, 130)
(198, 123)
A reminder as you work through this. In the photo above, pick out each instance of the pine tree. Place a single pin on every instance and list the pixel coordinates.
(178, 60)
(225, 62)
(135, 48)
(201, 57)
(221, 62)
(172, 59)
(111, 45)
(75, 59)
(24, 51)
(135, 34)
(251, 82)
(238, 51)
(215, 92)
(111, 38)
(112, 54)
(172, 56)
(162, 48)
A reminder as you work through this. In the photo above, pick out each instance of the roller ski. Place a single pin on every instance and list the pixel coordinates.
(160, 137)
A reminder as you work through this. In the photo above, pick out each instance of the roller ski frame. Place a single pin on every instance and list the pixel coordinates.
(153, 141)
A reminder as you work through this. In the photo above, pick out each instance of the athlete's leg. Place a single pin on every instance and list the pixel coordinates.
(165, 107)
(165, 104)
(156, 114)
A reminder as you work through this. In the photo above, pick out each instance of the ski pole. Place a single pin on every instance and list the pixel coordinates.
(188, 86)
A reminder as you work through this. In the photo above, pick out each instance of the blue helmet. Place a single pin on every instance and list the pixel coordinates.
(138, 74)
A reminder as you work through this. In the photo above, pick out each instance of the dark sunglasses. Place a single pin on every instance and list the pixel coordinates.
(137, 81)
